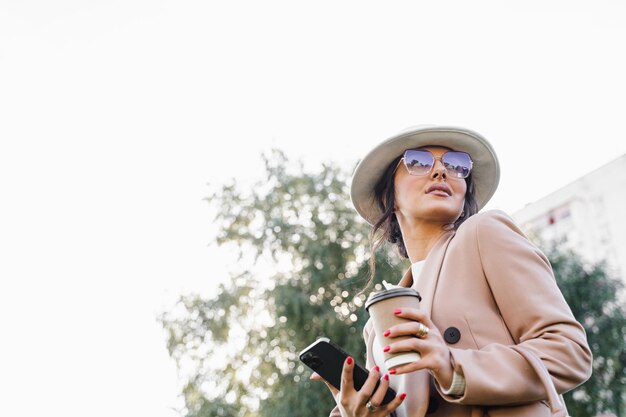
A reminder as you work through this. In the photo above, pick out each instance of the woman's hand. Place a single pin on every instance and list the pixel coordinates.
(353, 403)
(435, 354)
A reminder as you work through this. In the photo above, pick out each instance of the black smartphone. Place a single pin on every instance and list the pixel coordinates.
(326, 358)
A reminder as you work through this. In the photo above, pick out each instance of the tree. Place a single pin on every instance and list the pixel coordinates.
(303, 253)
(593, 296)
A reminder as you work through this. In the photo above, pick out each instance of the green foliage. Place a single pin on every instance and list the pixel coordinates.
(304, 256)
(593, 296)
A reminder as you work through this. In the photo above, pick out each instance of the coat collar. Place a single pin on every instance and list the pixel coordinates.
(427, 282)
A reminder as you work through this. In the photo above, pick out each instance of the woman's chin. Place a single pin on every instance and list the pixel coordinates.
(442, 214)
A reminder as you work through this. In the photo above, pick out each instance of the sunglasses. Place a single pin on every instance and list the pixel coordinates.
(421, 162)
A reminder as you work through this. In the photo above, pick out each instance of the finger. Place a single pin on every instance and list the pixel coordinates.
(368, 387)
(426, 360)
(410, 367)
(411, 328)
(316, 377)
(407, 345)
(415, 314)
(379, 394)
(347, 380)
(395, 403)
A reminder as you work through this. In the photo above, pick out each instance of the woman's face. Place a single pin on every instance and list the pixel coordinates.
(435, 197)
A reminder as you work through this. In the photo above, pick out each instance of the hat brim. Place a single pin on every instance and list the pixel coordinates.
(485, 171)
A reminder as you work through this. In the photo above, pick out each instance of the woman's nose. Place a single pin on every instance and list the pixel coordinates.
(439, 170)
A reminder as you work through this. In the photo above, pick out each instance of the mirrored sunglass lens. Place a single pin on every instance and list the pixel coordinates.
(418, 162)
(458, 164)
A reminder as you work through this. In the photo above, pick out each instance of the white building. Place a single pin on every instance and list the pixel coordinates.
(588, 215)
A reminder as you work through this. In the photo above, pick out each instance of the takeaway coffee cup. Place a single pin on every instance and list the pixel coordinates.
(380, 306)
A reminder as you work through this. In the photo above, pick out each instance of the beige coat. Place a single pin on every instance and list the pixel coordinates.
(493, 285)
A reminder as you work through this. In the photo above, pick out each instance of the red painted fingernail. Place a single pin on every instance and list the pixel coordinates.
(376, 369)
(349, 360)
(397, 311)
(403, 396)
(392, 372)
(386, 349)
(386, 377)
(387, 333)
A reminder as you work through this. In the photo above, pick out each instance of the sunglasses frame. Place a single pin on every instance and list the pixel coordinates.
(435, 159)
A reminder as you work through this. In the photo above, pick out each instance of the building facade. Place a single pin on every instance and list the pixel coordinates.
(587, 215)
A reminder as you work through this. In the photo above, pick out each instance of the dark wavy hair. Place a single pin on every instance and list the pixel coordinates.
(387, 229)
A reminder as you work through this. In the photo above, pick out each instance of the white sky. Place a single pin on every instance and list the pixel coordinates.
(115, 115)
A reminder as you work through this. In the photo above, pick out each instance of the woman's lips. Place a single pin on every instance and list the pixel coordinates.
(439, 189)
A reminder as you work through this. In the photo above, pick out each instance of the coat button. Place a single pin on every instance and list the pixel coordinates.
(452, 335)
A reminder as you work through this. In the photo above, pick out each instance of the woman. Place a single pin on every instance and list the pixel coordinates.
(499, 337)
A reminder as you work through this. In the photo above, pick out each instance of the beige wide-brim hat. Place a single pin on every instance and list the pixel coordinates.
(485, 171)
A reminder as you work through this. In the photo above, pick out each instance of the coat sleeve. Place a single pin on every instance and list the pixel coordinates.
(535, 314)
